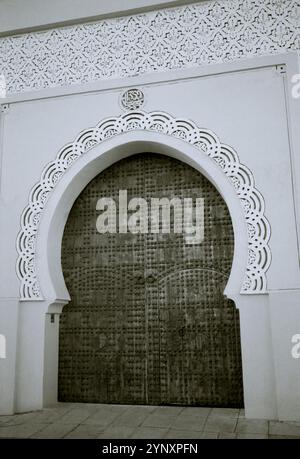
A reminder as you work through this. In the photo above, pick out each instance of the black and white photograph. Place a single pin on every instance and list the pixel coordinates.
(149, 223)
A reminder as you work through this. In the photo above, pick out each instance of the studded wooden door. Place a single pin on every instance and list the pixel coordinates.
(148, 322)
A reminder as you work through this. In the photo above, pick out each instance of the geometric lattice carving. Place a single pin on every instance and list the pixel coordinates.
(204, 140)
(156, 41)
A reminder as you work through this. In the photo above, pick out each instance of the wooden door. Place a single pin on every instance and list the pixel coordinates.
(148, 322)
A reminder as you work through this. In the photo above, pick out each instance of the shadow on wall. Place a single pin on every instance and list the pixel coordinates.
(2, 347)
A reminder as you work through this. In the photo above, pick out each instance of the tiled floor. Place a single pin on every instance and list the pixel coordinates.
(75, 420)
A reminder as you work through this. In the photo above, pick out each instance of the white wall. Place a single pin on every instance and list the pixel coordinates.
(285, 323)
(9, 329)
(247, 110)
(257, 356)
(16, 17)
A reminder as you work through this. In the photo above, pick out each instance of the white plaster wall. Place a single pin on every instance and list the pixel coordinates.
(257, 352)
(9, 329)
(284, 307)
(30, 357)
(247, 110)
(42, 13)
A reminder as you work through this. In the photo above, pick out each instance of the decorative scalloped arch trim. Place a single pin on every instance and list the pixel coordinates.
(259, 255)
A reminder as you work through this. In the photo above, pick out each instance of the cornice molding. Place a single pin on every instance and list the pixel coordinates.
(169, 39)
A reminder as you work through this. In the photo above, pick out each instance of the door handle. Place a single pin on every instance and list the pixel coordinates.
(151, 278)
(139, 279)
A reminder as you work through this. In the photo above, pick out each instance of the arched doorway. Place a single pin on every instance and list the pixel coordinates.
(147, 321)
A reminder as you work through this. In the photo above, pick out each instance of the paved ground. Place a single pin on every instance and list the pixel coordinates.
(75, 420)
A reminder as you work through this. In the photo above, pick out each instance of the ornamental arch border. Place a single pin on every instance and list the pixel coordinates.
(203, 143)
